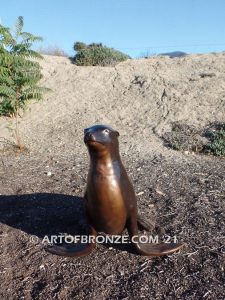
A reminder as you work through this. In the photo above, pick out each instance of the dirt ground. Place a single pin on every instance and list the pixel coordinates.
(41, 189)
(186, 199)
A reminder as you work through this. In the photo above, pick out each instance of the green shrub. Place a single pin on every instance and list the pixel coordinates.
(97, 55)
(216, 146)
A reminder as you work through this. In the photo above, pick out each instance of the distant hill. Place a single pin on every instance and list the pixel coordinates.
(174, 54)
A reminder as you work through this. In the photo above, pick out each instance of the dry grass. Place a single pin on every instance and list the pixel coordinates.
(53, 50)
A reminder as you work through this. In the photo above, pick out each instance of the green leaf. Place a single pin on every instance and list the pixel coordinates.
(19, 26)
(28, 37)
(30, 54)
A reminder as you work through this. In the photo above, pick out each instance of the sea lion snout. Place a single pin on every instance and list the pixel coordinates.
(88, 136)
(102, 134)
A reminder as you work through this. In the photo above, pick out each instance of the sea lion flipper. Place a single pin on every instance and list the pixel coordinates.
(76, 250)
(144, 224)
(157, 249)
(149, 249)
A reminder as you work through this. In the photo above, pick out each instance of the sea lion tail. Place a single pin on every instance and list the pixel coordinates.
(77, 250)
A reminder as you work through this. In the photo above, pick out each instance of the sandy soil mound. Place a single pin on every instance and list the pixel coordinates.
(140, 98)
(41, 190)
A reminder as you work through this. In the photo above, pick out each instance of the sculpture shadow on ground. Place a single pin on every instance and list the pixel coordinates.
(48, 214)
(43, 214)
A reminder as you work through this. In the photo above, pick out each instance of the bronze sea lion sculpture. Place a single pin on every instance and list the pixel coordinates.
(110, 199)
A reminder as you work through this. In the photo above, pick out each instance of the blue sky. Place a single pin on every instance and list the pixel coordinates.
(136, 27)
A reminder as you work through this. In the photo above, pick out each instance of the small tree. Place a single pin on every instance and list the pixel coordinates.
(19, 72)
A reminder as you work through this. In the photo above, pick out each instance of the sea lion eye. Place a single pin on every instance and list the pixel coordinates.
(106, 130)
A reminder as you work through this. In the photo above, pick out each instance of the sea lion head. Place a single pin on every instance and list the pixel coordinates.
(101, 139)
